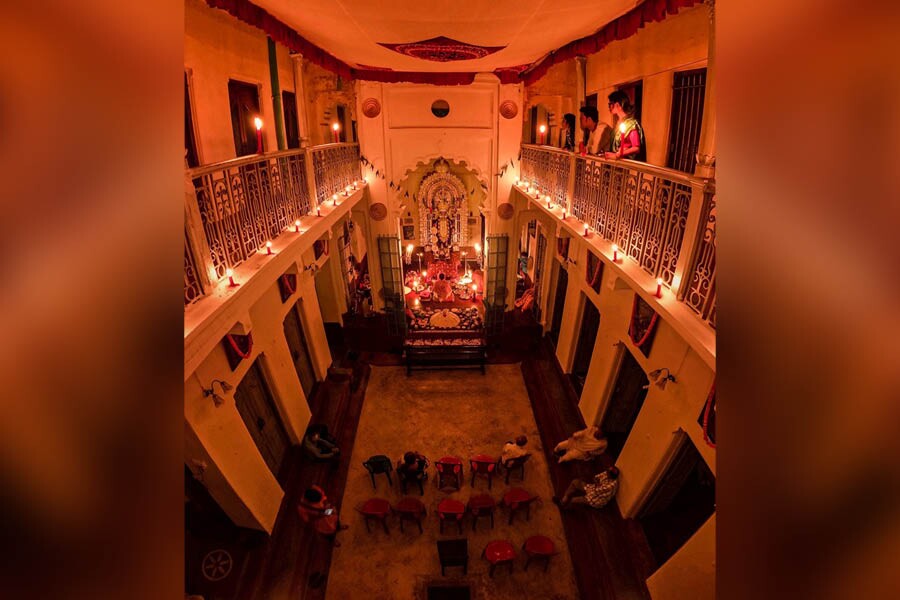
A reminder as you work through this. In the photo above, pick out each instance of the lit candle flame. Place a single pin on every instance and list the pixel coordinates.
(257, 122)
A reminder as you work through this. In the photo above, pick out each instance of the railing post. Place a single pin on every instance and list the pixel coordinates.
(693, 235)
(311, 180)
(193, 228)
(570, 185)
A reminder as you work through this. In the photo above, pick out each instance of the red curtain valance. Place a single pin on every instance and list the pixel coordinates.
(287, 285)
(643, 324)
(562, 247)
(594, 272)
(625, 26)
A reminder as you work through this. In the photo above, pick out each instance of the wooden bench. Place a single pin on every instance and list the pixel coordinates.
(437, 356)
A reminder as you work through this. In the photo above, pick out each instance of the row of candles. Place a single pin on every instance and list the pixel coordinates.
(334, 201)
(532, 189)
(258, 123)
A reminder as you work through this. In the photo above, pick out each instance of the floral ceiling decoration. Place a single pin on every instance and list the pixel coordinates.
(442, 49)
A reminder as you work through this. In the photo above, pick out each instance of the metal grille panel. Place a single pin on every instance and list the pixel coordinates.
(687, 115)
(335, 167)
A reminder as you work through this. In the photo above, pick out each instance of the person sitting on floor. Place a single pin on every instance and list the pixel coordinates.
(319, 444)
(442, 290)
(316, 510)
(583, 445)
(513, 450)
(596, 494)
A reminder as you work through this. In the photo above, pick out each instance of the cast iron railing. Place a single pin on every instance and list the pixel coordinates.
(243, 203)
(642, 208)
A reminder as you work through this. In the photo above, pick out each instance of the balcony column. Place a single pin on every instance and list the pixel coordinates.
(193, 228)
(300, 96)
(706, 147)
(276, 94)
(580, 62)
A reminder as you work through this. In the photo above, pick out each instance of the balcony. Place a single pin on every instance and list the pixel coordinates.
(661, 220)
(237, 206)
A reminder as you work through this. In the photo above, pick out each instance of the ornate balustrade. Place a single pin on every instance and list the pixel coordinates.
(643, 209)
(245, 202)
(547, 169)
(700, 294)
(335, 166)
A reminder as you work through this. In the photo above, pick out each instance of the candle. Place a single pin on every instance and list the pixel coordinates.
(297, 226)
(585, 230)
(659, 288)
(615, 249)
(543, 130)
(564, 214)
(334, 200)
(334, 129)
(269, 248)
(230, 274)
(257, 122)
(318, 211)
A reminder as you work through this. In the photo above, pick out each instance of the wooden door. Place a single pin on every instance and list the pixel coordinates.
(257, 409)
(296, 339)
(190, 141)
(590, 324)
(243, 99)
(624, 404)
(291, 124)
(688, 91)
(681, 501)
(559, 301)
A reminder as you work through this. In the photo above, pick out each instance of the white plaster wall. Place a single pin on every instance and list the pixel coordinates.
(653, 54)
(218, 47)
(691, 573)
(406, 134)
(237, 475)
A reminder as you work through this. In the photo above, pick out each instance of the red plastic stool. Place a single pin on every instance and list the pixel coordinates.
(539, 547)
(378, 509)
(482, 505)
(499, 552)
(410, 509)
(517, 499)
(451, 510)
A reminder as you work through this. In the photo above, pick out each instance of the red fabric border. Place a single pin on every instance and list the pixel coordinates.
(650, 11)
(233, 342)
(632, 327)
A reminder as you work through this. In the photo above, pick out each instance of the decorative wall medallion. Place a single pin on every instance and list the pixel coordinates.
(505, 211)
(378, 211)
(442, 49)
(371, 107)
(508, 109)
(216, 565)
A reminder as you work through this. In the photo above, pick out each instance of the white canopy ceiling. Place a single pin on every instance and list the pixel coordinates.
(352, 30)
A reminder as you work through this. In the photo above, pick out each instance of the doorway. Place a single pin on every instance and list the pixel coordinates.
(291, 123)
(681, 501)
(559, 301)
(191, 156)
(243, 99)
(625, 403)
(590, 323)
(257, 408)
(296, 339)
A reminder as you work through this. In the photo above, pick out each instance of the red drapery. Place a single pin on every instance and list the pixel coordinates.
(287, 285)
(594, 272)
(650, 11)
(562, 247)
(635, 332)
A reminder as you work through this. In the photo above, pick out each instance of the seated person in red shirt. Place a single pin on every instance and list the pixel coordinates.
(316, 510)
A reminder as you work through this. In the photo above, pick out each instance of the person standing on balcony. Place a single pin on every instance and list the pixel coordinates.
(599, 134)
(629, 137)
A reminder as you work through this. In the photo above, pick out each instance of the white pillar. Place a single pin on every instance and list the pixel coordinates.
(706, 148)
(300, 96)
(580, 82)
